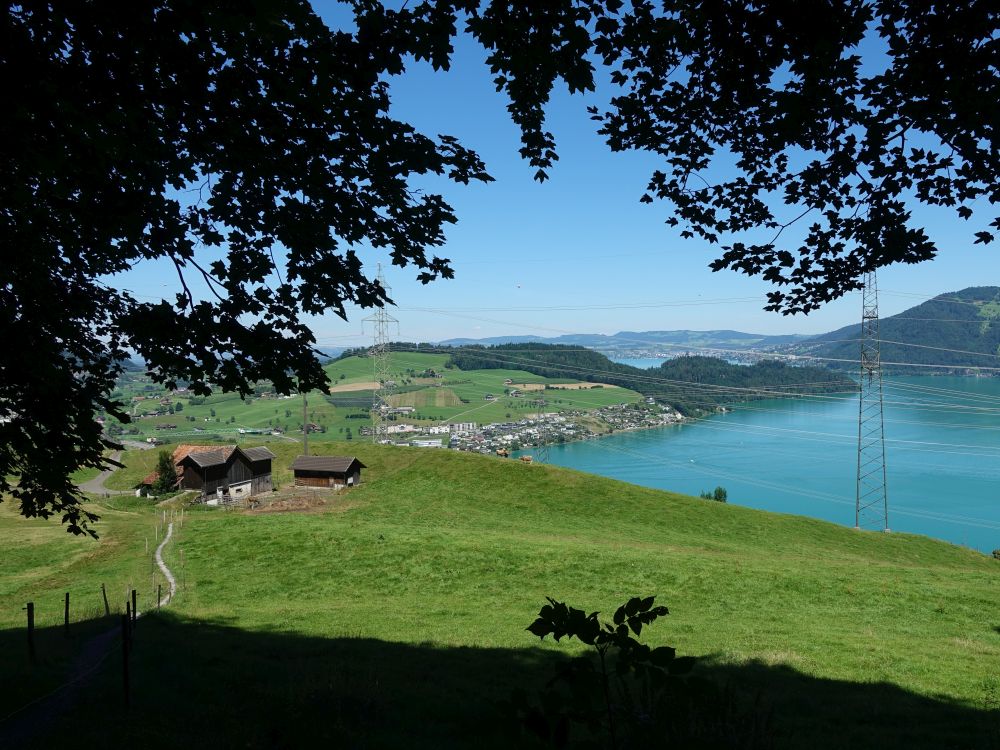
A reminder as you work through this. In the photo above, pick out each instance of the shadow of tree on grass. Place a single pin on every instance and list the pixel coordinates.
(210, 684)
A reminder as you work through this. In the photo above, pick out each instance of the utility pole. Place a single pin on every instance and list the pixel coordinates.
(305, 426)
(871, 510)
(379, 353)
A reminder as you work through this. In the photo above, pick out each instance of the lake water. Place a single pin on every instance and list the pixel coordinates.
(800, 456)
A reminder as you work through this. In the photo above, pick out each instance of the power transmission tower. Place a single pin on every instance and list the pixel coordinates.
(872, 504)
(381, 322)
(305, 424)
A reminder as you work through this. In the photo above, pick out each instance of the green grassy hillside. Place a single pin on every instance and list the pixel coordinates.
(395, 614)
(959, 330)
(457, 395)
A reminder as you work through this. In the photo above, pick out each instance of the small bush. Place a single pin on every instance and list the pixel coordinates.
(167, 475)
(996, 554)
(719, 495)
(628, 695)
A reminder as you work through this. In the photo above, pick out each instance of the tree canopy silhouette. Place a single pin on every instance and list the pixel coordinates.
(252, 148)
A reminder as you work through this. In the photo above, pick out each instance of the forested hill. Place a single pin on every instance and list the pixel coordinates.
(957, 329)
(692, 384)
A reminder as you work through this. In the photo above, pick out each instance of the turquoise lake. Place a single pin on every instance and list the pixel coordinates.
(800, 456)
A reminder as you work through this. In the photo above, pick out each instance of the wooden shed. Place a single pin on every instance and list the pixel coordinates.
(327, 471)
(231, 470)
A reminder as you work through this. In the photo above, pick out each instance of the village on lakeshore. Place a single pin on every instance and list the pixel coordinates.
(429, 403)
(581, 375)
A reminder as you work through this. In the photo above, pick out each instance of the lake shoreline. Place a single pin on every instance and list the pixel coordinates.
(795, 455)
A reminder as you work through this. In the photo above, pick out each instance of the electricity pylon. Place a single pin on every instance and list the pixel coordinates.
(381, 322)
(871, 509)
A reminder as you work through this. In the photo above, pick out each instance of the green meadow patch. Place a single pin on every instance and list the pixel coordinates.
(452, 395)
(394, 614)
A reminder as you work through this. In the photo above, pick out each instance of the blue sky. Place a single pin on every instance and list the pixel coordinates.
(579, 253)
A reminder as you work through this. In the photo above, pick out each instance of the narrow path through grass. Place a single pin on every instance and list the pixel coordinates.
(25, 723)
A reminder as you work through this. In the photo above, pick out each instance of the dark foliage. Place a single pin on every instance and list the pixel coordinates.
(767, 122)
(719, 495)
(210, 135)
(627, 694)
(166, 474)
(251, 150)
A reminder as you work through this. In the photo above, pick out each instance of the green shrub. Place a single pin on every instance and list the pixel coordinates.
(167, 478)
(628, 695)
(719, 495)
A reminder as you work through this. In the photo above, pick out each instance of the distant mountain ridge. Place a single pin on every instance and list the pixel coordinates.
(958, 330)
(632, 340)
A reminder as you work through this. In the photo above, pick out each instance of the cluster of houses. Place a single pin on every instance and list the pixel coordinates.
(639, 416)
(541, 429)
(552, 427)
(502, 437)
(226, 473)
(452, 428)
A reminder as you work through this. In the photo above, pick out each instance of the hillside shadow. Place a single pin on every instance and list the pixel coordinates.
(210, 684)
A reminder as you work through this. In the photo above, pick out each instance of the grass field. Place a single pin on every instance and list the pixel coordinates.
(427, 397)
(455, 396)
(40, 563)
(395, 615)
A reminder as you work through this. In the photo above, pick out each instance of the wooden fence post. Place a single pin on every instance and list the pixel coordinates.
(159, 592)
(135, 611)
(66, 614)
(125, 658)
(107, 609)
(31, 631)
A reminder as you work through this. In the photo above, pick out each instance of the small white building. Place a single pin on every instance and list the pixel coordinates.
(425, 443)
(398, 428)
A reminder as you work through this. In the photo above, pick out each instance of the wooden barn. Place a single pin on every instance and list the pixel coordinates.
(227, 470)
(327, 471)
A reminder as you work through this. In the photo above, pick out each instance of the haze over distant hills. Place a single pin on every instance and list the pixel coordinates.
(624, 341)
(955, 329)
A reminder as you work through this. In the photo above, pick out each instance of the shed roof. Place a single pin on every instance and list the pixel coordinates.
(207, 458)
(214, 455)
(336, 464)
(258, 454)
(184, 450)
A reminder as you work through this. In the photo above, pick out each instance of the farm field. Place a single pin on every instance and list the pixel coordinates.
(338, 620)
(454, 396)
